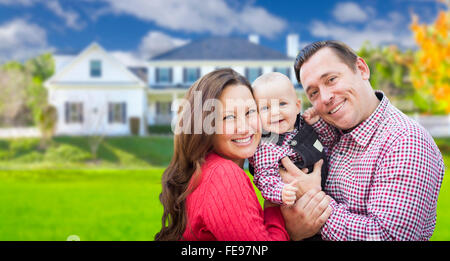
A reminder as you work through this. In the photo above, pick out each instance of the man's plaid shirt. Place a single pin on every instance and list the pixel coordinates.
(384, 178)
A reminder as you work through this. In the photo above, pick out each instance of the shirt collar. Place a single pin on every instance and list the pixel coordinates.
(365, 130)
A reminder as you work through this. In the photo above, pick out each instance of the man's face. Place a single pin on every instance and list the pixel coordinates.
(340, 95)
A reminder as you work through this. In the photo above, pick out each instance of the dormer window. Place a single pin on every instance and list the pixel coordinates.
(96, 68)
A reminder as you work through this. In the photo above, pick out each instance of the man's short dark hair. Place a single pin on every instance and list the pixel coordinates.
(345, 53)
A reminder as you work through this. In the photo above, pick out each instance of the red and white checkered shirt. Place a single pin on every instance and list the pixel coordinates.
(266, 162)
(384, 178)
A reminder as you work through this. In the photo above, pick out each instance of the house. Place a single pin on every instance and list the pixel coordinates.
(94, 93)
(172, 73)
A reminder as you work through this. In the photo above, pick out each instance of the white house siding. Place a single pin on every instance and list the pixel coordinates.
(168, 92)
(79, 70)
(208, 66)
(95, 110)
(73, 83)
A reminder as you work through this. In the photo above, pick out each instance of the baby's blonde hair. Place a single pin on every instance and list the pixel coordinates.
(269, 78)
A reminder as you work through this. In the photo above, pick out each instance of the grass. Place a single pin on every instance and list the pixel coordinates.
(92, 204)
(442, 230)
(54, 193)
(74, 152)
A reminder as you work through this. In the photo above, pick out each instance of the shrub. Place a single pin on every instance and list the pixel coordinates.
(66, 153)
(160, 129)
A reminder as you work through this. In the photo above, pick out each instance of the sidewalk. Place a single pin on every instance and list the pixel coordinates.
(437, 126)
(21, 132)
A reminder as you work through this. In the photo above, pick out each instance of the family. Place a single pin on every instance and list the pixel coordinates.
(351, 167)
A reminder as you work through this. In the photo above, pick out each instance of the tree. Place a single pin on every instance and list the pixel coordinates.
(13, 82)
(23, 95)
(430, 71)
(41, 68)
(389, 72)
(47, 124)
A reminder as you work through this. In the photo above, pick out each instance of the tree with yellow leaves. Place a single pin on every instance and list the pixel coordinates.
(430, 71)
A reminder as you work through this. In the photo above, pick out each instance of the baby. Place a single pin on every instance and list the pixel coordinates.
(286, 134)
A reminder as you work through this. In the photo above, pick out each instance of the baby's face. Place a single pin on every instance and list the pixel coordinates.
(278, 107)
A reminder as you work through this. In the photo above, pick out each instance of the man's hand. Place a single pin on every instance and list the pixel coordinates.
(311, 116)
(305, 181)
(305, 218)
(289, 193)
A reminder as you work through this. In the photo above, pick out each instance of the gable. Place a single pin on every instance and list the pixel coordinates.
(94, 66)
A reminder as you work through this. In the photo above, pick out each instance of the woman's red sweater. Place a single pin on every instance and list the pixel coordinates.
(225, 207)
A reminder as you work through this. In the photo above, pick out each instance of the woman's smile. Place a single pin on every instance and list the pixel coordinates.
(243, 141)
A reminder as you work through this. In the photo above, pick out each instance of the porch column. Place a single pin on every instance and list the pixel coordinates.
(174, 107)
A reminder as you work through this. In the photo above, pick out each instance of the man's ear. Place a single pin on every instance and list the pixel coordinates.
(362, 67)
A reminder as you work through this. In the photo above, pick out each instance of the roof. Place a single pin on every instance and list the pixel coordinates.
(221, 48)
(133, 75)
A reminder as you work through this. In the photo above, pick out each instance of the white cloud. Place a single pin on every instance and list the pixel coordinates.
(389, 30)
(152, 44)
(21, 40)
(128, 58)
(199, 16)
(349, 12)
(17, 2)
(155, 43)
(71, 18)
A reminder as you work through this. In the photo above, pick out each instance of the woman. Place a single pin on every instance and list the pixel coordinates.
(206, 195)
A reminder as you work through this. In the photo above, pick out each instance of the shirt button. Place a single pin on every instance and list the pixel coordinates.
(293, 142)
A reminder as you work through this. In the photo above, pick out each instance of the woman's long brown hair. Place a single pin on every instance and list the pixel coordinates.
(189, 153)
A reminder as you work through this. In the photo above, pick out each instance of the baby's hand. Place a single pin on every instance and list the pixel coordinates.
(289, 193)
(311, 116)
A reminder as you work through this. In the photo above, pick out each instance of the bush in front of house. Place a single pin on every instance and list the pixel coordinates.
(160, 129)
(66, 153)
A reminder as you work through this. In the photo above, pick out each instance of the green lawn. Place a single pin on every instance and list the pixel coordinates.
(92, 204)
(54, 193)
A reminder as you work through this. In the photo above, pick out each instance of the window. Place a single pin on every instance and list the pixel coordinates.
(163, 75)
(190, 75)
(283, 70)
(117, 112)
(96, 68)
(163, 108)
(252, 73)
(73, 112)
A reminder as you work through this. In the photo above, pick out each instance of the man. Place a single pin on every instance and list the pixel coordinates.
(385, 170)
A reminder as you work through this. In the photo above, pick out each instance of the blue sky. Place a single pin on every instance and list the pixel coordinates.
(138, 29)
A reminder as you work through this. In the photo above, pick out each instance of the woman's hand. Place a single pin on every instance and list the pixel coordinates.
(308, 214)
(305, 181)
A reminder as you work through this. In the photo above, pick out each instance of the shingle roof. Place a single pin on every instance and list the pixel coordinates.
(221, 48)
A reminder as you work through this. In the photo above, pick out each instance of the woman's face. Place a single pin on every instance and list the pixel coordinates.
(238, 127)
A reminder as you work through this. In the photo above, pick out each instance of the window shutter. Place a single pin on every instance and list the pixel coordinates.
(198, 74)
(110, 112)
(246, 73)
(170, 75)
(185, 75)
(80, 107)
(124, 112)
(66, 112)
(157, 75)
